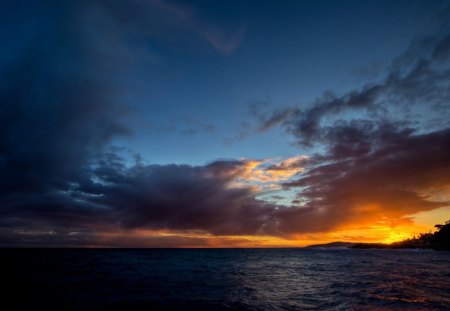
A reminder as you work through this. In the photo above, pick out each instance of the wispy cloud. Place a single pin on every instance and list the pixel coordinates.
(213, 34)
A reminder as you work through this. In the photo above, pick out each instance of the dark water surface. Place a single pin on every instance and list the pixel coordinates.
(225, 279)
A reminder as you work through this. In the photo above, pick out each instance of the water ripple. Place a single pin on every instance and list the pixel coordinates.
(246, 279)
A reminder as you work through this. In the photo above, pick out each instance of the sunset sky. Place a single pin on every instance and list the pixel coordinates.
(157, 123)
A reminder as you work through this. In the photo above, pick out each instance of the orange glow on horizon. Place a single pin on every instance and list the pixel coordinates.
(379, 233)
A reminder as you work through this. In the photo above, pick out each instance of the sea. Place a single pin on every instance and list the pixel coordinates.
(224, 279)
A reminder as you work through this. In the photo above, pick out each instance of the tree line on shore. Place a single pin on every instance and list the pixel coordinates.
(438, 240)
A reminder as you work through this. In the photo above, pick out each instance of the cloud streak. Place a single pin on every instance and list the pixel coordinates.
(214, 35)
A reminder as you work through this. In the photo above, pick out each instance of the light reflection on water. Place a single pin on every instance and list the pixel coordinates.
(230, 279)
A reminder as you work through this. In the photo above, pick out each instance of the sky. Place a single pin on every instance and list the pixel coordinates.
(157, 123)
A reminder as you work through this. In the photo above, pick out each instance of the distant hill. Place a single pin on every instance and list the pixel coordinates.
(371, 245)
(332, 245)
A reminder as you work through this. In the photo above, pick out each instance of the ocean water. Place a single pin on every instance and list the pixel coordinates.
(225, 279)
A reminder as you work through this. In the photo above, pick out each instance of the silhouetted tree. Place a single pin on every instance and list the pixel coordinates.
(441, 238)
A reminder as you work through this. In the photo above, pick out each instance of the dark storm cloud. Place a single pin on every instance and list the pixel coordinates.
(375, 166)
(174, 197)
(55, 116)
(419, 79)
(59, 110)
(390, 183)
(182, 197)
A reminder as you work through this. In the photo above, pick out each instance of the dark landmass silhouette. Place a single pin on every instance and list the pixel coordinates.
(332, 245)
(439, 240)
